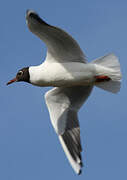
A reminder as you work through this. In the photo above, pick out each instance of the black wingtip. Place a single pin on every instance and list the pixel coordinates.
(33, 15)
(80, 171)
(81, 164)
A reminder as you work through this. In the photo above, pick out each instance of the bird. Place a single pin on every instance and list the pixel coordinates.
(72, 79)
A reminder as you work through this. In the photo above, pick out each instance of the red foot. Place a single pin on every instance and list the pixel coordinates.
(102, 78)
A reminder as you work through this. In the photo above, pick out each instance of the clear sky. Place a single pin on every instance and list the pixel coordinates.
(29, 147)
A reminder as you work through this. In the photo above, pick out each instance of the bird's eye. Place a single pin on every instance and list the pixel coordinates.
(20, 73)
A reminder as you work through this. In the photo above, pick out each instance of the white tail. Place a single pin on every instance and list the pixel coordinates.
(109, 65)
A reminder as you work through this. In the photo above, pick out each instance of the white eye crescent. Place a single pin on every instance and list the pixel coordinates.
(20, 73)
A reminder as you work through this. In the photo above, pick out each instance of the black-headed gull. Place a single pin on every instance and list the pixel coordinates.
(66, 69)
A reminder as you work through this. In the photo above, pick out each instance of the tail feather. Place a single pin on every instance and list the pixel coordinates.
(109, 66)
(111, 86)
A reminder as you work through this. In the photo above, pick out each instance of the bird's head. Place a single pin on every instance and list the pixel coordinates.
(22, 75)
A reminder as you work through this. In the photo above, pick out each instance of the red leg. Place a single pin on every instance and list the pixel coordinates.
(102, 78)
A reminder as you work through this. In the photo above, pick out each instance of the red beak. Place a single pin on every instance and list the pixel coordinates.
(12, 81)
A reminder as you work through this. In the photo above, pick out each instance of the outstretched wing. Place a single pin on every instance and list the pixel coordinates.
(61, 46)
(63, 105)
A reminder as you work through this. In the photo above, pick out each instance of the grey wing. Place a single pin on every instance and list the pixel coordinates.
(61, 46)
(63, 105)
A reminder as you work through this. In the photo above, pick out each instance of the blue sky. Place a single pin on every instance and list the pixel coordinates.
(29, 148)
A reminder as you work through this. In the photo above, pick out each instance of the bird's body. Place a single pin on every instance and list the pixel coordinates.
(66, 69)
(62, 74)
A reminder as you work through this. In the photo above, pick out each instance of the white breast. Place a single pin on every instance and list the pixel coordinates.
(62, 74)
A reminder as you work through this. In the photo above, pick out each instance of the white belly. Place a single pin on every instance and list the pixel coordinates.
(66, 74)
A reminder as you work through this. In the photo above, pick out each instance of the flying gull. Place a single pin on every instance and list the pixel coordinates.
(66, 69)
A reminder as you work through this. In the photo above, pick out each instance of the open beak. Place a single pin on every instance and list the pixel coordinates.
(12, 81)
